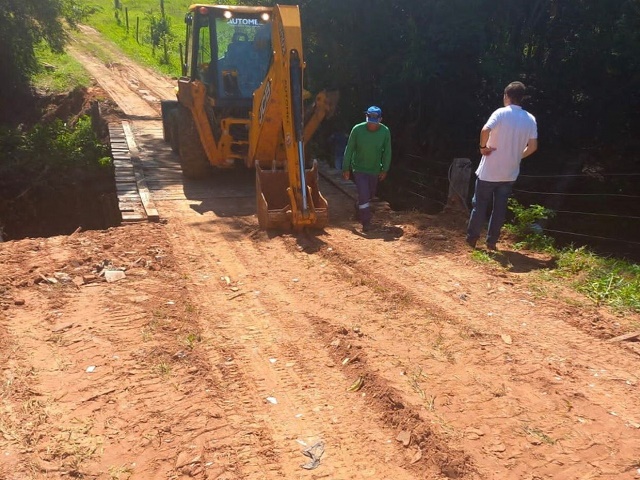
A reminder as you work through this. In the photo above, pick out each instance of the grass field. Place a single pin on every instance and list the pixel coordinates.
(136, 40)
(60, 72)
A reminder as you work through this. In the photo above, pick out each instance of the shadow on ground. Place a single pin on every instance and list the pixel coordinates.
(517, 262)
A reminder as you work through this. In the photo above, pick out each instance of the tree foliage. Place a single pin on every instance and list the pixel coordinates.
(23, 24)
(438, 67)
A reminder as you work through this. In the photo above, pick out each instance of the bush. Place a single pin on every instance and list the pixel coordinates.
(525, 226)
(53, 178)
(56, 145)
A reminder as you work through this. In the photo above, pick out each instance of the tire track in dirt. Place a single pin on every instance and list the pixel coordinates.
(145, 83)
(342, 342)
(536, 382)
(130, 102)
(522, 404)
(256, 331)
(337, 335)
(254, 453)
(145, 408)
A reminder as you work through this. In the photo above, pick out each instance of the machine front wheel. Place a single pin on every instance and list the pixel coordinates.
(193, 158)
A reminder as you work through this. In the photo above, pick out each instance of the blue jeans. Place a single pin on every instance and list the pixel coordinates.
(366, 185)
(495, 194)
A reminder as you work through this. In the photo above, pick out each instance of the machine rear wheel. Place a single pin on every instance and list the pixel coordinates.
(173, 132)
(193, 158)
(167, 108)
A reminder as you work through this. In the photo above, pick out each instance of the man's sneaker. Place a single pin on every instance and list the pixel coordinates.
(492, 247)
(471, 242)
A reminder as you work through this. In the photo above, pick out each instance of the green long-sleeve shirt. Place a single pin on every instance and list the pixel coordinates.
(367, 151)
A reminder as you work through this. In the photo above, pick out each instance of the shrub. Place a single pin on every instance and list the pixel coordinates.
(525, 226)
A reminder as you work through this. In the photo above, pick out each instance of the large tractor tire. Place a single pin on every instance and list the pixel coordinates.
(173, 133)
(193, 159)
(167, 107)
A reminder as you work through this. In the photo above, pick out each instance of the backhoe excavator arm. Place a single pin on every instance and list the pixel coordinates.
(277, 134)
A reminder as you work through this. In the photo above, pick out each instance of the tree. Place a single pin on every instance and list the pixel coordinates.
(23, 24)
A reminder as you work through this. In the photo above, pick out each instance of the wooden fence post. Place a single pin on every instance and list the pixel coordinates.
(459, 176)
(165, 49)
(126, 18)
(137, 30)
(96, 119)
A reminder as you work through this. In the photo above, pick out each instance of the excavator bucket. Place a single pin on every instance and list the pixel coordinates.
(274, 201)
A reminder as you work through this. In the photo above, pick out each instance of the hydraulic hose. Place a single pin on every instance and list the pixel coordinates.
(298, 122)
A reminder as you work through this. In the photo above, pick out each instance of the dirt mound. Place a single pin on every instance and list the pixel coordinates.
(81, 101)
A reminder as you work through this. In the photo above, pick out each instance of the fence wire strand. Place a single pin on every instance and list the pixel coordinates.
(561, 232)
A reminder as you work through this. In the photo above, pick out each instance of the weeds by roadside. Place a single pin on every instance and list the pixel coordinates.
(525, 226)
(481, 256)
(606, 281)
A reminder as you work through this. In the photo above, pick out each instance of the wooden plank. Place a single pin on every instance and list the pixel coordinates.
(143, 189)
(126, 187)
(133, 217)
(129, 202)
(122, 165)
(124, 178)
(625, 337)
(335, 177)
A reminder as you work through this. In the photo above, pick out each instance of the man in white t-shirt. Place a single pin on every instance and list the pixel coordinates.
(509, 135)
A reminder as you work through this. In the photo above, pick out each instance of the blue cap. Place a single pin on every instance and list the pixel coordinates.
(374, 114)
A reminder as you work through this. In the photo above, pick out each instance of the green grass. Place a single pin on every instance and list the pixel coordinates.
(192, 339)
(482, 256)
(111, 23)
(606, 281)
(65, 75)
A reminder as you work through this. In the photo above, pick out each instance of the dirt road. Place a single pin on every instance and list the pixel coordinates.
(226, 352)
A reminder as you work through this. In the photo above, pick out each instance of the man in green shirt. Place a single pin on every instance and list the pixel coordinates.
(368, 155)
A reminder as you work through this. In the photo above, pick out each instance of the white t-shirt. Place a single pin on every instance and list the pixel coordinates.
(511, 129)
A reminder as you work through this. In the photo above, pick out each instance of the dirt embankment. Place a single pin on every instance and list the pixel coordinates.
(220, 351)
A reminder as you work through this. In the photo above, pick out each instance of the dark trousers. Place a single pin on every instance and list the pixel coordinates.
(366, 184)
(488, 194)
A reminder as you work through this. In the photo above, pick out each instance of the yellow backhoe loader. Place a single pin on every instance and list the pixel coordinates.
(240, 101)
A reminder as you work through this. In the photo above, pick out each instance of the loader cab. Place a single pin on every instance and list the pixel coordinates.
(229, 50)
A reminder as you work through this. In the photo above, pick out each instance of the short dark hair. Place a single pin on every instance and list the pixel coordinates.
(515, 91)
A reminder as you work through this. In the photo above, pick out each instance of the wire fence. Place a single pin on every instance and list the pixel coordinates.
(588, 175)
(565, 194)
(154, 29)
(594, 209)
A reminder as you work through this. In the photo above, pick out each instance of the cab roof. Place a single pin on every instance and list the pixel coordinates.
(232, 8)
